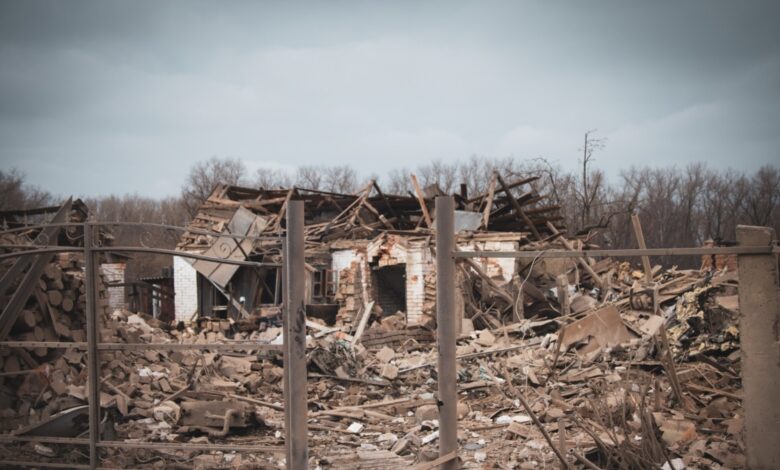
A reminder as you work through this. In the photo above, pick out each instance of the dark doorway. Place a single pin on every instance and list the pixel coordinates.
(390, 285)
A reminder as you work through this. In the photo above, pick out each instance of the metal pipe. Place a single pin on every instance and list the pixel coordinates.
(446, 329)
(137, 249)
(141, 445)
(140, 224)
(295, 340)
(230, 346)
(93, 363)
(552, 253)
(27, 463)
(730, 250)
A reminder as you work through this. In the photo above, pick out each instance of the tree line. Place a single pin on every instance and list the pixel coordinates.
(677, 205)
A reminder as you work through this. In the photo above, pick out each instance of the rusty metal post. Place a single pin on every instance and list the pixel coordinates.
(759, 317)
(295, 399)
(446, 329)
(93, 362)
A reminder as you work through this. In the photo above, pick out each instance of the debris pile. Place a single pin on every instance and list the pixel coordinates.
(609, 385)
(578, 362)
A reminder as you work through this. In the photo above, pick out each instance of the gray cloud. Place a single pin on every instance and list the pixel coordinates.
(100, 97)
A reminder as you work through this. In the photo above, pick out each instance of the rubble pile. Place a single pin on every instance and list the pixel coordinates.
(572, 362)
(611, 385)
(147, 395)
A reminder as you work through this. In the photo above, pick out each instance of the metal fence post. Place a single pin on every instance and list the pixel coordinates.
(295, 399)
(759, 326)
(93, 363)
(446, 329)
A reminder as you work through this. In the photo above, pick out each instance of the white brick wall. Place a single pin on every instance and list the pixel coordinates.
(185, 285)
(114, 273)
(418, 263)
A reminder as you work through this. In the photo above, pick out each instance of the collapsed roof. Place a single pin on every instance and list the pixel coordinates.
(513, 207)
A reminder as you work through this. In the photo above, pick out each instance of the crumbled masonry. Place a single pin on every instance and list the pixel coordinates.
(616, 371)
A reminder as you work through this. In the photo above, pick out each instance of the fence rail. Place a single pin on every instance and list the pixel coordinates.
(622, 253)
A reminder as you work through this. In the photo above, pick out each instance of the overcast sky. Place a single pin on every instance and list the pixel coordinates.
(120, 97)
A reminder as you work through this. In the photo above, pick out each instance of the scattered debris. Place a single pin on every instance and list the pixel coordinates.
(560, 362)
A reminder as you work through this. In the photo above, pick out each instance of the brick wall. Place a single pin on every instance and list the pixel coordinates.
(185, 285)
(418, 262)
(351, 281)
(418, 259)
(115, 296)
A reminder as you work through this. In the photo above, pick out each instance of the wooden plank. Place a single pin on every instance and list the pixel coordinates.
(640, 240)
(512, 185)
(367, 307)
(421, 199)
(518, 209)
(489, 202)
(384, 199)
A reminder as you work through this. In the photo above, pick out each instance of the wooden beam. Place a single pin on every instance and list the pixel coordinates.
(384, 199)
(518, 209)
(640, 240)
(489, 203)
(361, 327)
(419, 194)
(513, 185)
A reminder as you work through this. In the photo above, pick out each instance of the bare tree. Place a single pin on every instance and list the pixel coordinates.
(763, 196)
(438, 173)
(135, 208)
(340, 179)
(272, 178)
(309, 177)
(204, 176)
(590, 186)
(16, 194)
(398, 182)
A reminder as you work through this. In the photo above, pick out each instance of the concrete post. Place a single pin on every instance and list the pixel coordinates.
(446, 329)
(295, 399)
(759, 325)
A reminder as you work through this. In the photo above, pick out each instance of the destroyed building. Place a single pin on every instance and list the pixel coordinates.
(364, 249)
(585, 361)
